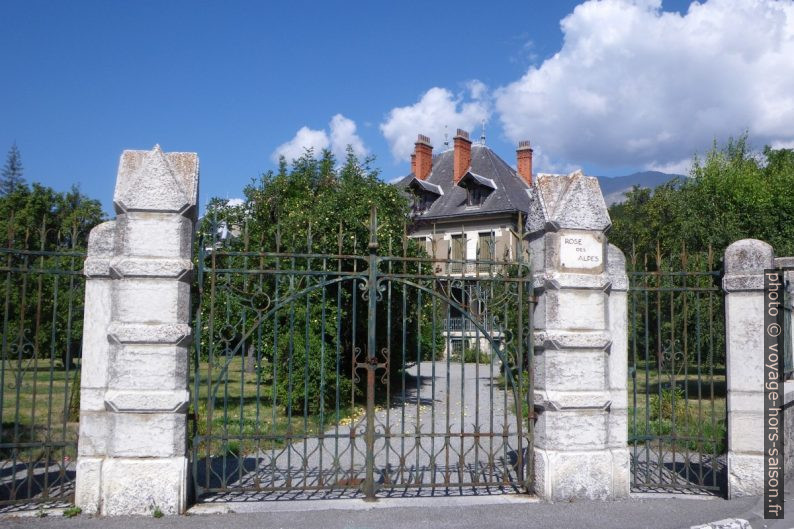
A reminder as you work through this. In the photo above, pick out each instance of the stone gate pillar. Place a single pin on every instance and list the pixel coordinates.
(580, 342)
(743, 284)
(134, 396)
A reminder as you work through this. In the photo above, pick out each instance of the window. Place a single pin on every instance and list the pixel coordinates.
(424, 242)
(486, 246)
(486, 250)
(457, 252)
(458, 247)
(456, 348)
(423, 201)
(475, 195)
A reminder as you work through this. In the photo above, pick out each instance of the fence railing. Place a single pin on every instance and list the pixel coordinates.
(677, 385)
(41, 295)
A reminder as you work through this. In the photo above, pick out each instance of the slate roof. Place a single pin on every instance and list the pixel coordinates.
(510, 195)
(426, 186)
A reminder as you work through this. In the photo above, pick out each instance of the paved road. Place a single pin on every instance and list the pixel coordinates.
(510, 511)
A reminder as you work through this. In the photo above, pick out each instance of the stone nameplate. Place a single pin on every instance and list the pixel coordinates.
(581, 251)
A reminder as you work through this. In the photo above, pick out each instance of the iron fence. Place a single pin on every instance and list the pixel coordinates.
(677, 386)
(327, 373)
(41, 291)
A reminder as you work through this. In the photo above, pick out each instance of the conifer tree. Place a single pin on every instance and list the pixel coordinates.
(11, 176)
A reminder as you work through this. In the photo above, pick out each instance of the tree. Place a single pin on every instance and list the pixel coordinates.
(732, 193)
(291, 220)
(42, 236)
(12, 172)
(38, 217)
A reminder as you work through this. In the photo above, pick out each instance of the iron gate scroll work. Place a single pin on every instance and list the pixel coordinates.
(677, 416)
(345, 375)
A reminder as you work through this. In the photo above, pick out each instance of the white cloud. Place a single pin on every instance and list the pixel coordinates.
(781, 144)
(675, 167)
(634, 85)
(436, 109)
(341, 133)
(305, 138)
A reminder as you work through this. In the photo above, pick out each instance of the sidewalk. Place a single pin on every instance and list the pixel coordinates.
(641, 511)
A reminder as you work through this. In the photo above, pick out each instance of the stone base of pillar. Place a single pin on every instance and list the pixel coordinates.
(745, 474)
(122, 486)
(581, 475)
(88, 484)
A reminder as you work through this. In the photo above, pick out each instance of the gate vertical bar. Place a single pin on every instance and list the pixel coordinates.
(369, 484)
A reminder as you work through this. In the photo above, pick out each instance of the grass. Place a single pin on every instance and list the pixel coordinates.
(244, 418)
(40, 405)
(685, 413)
(72, 511)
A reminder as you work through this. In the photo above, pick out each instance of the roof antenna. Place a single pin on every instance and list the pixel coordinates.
(446, 137)
(482, 136)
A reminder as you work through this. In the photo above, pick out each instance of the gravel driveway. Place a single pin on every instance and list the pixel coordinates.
(454, 432)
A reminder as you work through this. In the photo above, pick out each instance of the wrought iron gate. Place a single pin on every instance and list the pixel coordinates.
(677, 388)
(41, 293)
(359, 374)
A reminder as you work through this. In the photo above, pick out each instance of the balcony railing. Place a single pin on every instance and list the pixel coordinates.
(466, 325)
(473, 268)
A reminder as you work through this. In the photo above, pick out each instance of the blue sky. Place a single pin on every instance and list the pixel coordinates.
(238, 81)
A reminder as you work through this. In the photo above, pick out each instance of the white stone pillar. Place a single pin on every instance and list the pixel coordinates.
(134, 395)
(743, 283)
(580, 343)
(617, 372)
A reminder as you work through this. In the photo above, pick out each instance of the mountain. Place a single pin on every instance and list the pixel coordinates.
(614, 187)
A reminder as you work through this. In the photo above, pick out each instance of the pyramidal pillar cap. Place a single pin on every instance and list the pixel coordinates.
(157, 181)
(572, 201)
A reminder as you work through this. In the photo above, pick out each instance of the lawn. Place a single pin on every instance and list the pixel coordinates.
(685, 412)
(40, 407)
(241, 418)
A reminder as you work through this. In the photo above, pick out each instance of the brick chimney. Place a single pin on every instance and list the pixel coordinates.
(524, 161)
(462, 154)
(422, 159)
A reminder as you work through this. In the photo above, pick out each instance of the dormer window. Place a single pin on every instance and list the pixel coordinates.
(477, 187)
(425, 194)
